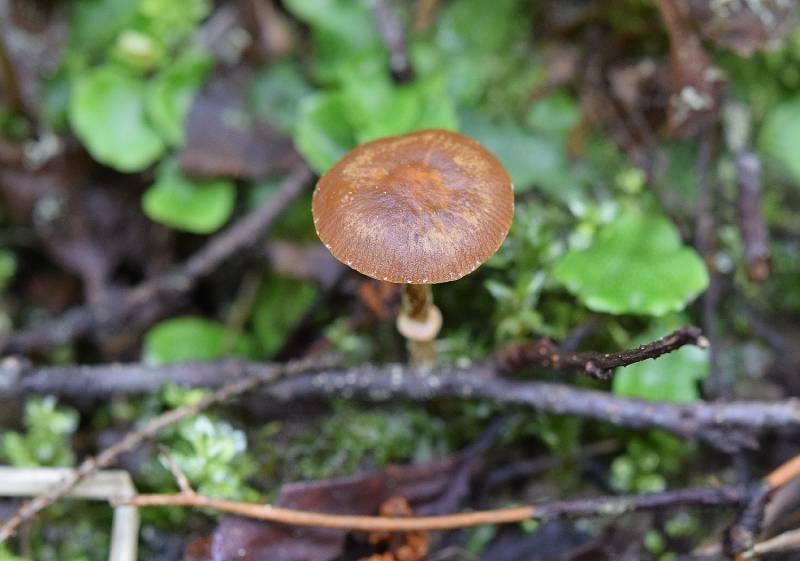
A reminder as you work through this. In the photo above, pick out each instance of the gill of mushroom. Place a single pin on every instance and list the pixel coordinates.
(417, 209)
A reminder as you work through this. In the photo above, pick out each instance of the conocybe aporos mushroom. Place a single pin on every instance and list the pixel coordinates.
(417, 209)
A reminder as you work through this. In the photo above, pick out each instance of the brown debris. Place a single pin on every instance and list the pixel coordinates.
(77, 218)
(697, 84)
(410, 546)
(744, 26)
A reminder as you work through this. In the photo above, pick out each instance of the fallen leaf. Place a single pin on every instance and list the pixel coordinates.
(433, 488)
(223, 140)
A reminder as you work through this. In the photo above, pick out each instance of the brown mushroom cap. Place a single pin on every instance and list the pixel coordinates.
(421, 208)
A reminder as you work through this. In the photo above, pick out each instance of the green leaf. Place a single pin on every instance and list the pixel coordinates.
(47, 437)
(95, 23)
(323, 134)
(780, 137)
(672, 377)
(637, 265)
(192, 339)
(6, 555)
(172, 21)
(556, 114)
(8, 266)
(282, 302)
(276, 92)
(378, 108)
(473, 42)
(531, 158)
(170, 95)
(200, 207)
(348, 21)
(477, 25)
(107, 113)
(344, 37)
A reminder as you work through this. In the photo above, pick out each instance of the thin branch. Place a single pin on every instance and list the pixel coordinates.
(597, 365)
(391, 31)
(751, 219)
(18, 375)
(8, 75)
(132, 440)
(729, 426)
(788, 541)
(120, 311)
(176, 471)
(784, 473)
(705, 241)
(579, 508)
(742, 535)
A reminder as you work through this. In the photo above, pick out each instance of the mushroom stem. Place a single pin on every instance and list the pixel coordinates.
(417, 298)
(419, 322)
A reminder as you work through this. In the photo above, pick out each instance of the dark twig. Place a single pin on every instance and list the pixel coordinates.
(391, 31)
(120, 310)
(754, 230)
(8, 75)
(726, 425)
(742, 535)
(134, 439)
(598, 365)
(18, 375)
(705, 241)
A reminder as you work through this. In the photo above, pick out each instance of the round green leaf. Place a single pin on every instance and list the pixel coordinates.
(192, 339)
(200, 207)
(635, 265)
(107, 113)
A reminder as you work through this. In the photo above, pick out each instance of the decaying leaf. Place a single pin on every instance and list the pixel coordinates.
(223, 140)
(434, 488)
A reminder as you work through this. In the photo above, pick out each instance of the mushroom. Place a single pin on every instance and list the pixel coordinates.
(417, 209)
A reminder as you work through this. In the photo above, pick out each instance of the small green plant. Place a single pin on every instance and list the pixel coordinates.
(648, 462)
(210, 451)
(353, 438)
(47, 439)
(636, 265)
